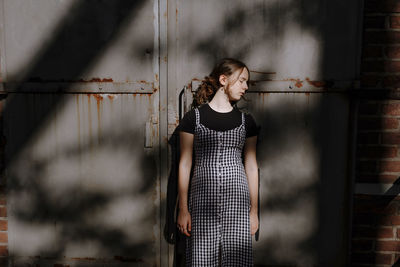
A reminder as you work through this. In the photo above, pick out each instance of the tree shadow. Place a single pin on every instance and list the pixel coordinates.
(321, 118)
(64, 211)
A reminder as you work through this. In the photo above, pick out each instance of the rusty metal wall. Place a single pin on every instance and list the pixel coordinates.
(304, 58)
(90, 94)
(80, 81)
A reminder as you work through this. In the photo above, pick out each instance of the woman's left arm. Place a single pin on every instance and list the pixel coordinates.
(251, 168)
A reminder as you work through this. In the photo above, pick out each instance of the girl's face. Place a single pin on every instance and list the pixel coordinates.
(237, 84)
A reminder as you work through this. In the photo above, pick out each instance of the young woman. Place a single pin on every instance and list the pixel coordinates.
(221, 213)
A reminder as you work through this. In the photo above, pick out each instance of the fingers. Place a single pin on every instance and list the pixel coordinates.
(185, 228)
(185, 231)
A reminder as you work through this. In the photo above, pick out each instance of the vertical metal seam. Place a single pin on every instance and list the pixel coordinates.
(163, 120)
(3, 69)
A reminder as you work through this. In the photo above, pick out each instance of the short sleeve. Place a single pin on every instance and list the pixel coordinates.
(188, 122)
(251, 127)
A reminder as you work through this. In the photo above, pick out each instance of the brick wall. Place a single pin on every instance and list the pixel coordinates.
(376, 214)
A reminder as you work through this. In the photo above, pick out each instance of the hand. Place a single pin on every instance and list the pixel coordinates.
(253, 222)
(184, 222)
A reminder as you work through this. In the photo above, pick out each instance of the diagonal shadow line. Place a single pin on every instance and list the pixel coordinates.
(85, 44)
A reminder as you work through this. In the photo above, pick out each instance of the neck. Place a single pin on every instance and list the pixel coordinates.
(220, 102)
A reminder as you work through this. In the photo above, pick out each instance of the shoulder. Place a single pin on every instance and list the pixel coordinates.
(188, 122)
(247, 115)
(252, 129)
(249, 118)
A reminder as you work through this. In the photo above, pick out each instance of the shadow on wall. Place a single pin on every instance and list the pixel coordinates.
(76, 187)
(79, 218)
(303, 144)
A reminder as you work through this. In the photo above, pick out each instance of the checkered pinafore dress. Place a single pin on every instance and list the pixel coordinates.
(219, 200)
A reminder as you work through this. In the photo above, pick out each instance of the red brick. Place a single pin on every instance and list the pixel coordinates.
(368, 138)
(392, 52)
(389, 166)
(392, 66)
(387, 245)
(377, 123)
(3, 225)
(377, 152)
(3, 212)
(371, 258)
(376, 178)
(395, 22)
(366, 166)
(3, 237)
(376, 6)
(374, 22)
(3, 251)
(3, 200)
(391, 109)
(391, 220)
(391, 138)
(370, 80)
(392, 81)
(366, 232)
(390, 123)
(381, 37)
(368, 108)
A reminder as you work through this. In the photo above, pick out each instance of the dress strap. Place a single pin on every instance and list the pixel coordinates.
(243, 118)
(196, 110)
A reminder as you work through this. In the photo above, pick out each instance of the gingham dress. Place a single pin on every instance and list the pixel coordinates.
(219, 200)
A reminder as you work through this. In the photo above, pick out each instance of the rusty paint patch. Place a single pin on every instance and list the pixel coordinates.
(316, 83)
(90, 119)
(111, 97)
(144, 81)
(95, 79)
(98, 97)
(298, 82)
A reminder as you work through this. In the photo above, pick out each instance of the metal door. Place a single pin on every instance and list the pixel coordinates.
(303, 64)
(80, 84)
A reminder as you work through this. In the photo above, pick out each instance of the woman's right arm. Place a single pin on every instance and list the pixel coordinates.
(185, 165)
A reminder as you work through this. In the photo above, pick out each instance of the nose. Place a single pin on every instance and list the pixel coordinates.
(245, 86)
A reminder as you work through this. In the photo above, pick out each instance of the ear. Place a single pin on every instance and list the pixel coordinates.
(223, 80)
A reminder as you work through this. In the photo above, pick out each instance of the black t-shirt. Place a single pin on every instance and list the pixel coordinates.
(218, 121)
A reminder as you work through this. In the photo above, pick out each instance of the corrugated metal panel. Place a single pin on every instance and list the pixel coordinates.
(83, 186)
(80, 40)
(304, 58)
(82, 127)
